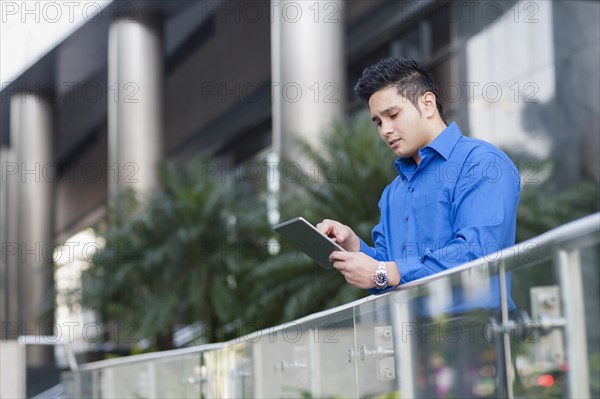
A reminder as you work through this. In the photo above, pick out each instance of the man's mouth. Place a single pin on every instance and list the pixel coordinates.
(394, 143)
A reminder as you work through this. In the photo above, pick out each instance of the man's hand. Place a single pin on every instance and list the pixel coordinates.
(341, 234)
(358, 268)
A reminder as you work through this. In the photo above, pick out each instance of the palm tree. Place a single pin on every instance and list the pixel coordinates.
(162, 263)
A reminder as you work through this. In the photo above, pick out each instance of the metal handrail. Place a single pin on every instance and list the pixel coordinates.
(149, 356)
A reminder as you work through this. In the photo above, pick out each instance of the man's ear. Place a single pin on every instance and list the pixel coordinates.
(428, 104)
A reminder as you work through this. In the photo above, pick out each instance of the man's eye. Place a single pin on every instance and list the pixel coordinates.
(394, 115)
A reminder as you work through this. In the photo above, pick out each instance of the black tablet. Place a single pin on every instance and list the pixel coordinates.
(309, 240)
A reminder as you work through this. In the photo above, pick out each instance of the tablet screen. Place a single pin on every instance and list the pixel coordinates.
(309, 240)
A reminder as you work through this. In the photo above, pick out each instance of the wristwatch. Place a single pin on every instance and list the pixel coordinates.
(381, 277)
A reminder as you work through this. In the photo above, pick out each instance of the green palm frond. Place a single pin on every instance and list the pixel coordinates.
(540, 211)
(162, 262)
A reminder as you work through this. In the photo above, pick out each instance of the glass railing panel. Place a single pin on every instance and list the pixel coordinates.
(590, 261)
(278, 361)
(68, 383)
(96, 387)
(537, 356)
(459, 356)
(446, 337)
(554, 339)
(128, 381)
(85, 385)
(225, 371)
(266, 362)
(177, 377)
(374, 349)
(292, 362)
(238, 368)
(470, 329)
(332, 360)
(307, 358)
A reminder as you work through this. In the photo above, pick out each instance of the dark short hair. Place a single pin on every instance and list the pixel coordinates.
(409, 77)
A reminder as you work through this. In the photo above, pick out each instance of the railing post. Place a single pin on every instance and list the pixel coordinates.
(404, 327)
(568, 263)
(508, 369)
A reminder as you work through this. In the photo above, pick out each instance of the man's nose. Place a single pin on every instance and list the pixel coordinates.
(386, 128)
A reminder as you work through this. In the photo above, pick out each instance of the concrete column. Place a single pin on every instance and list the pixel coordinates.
(12, 365)
(308, 69)
(29, 214)
(7, 163)
(135, 111)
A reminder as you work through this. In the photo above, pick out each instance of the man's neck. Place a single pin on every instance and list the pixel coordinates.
(436, 129)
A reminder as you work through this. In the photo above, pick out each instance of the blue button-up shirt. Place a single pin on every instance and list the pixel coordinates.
(457, 205)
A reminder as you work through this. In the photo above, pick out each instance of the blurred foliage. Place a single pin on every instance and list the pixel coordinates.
(541, 209)
(162, 263)
(594, 370)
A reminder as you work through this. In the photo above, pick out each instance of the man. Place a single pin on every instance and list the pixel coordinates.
(454, 199)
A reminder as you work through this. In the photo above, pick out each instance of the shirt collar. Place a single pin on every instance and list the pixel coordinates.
(443, 144)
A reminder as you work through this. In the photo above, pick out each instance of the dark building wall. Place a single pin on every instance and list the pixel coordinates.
(220, 75)
(82, 187)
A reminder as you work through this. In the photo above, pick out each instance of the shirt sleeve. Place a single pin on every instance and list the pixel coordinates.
(483, 215)
(379, 252)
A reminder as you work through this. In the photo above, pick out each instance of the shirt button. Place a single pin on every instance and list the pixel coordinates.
(411, 189)
(406, 218)
(404, 247)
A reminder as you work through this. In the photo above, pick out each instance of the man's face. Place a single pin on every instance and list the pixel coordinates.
(399, 123)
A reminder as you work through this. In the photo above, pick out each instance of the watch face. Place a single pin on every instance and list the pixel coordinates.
(381, 279)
